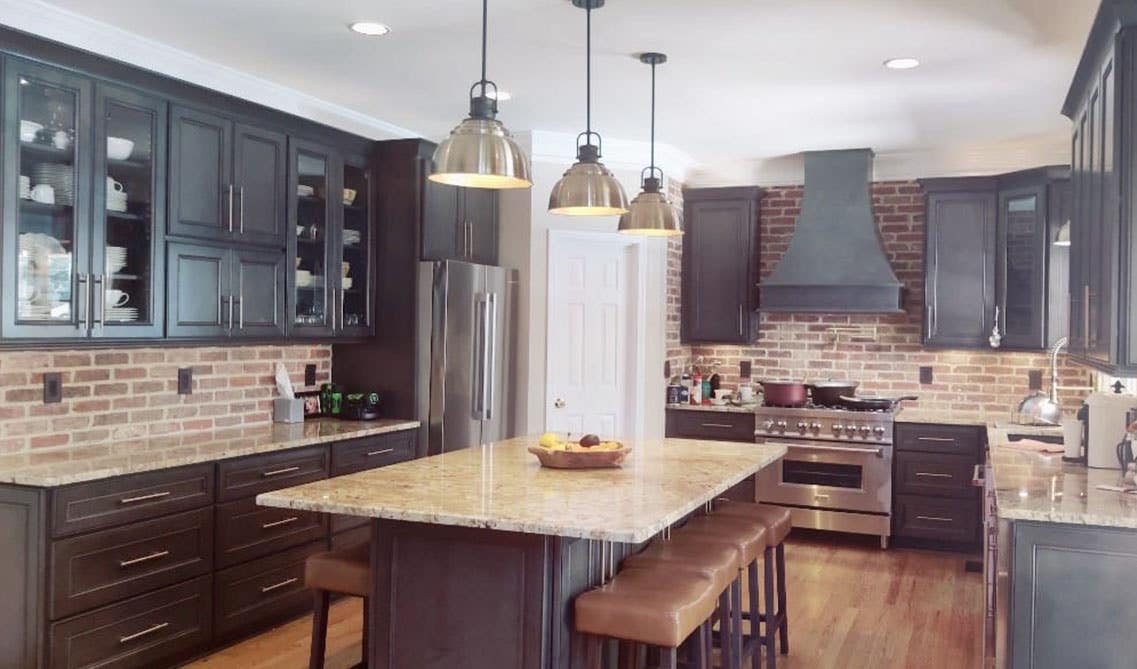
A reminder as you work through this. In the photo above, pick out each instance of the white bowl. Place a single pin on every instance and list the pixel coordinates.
(119, 148)
(347, 283)
(28, 130)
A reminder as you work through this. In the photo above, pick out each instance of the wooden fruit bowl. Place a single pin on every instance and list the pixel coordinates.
(580, 459)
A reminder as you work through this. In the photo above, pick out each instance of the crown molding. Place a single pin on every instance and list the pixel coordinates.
(54, 23)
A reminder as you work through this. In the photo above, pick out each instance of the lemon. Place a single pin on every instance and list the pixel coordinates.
(549, 440)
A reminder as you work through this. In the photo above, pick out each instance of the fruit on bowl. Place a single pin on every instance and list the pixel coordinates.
(589, 442)
(590, 451)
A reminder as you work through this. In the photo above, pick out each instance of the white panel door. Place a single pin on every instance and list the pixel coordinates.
(587, 382)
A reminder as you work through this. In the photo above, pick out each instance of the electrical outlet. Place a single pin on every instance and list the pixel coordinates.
(185, 380)
(309, 375)
(52, 388)
(667, 369)
(926, 376)
(744, 369)
(1034, 379)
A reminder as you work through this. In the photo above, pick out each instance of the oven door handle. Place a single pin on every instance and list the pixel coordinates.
(878, 452)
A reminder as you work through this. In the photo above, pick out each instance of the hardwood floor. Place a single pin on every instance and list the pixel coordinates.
(851, 606)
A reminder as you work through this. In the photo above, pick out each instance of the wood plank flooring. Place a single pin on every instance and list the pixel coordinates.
(852, 606)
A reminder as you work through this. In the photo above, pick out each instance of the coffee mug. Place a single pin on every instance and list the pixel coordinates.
(745, 393)
(61, 140)
(114, 186)
(44, 194)
(117, 298)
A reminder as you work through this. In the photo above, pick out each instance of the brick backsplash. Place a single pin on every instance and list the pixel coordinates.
(800, 345)
(127, 393)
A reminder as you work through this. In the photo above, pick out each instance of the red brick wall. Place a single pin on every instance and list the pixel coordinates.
(798, 345)
(115, 394)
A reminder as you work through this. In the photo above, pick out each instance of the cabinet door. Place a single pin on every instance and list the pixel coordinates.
(717, 250)
(201, 193)
(257, 293)
(1077, 250)
(960, 266)
(478, 212)
(1058, 264)
(197, 287)
(47, 191)
(1101, 287)
(128, 253)
(1022, 250)
(259, 175)
(356, 251)
(314, 220)
(443, 237)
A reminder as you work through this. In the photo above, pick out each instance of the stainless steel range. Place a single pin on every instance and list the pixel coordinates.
(837, 474)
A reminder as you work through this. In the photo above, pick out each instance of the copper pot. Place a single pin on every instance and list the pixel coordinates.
(784, 393)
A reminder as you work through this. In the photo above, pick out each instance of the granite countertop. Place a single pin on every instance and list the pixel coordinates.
(52, 467)
(501, 486)
(725, 408)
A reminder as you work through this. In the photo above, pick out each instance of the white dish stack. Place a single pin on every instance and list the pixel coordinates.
(116, 259)
(351, 237)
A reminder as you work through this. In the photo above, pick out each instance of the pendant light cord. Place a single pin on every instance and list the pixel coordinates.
(652, 173)
(485, 12)
(588, 72)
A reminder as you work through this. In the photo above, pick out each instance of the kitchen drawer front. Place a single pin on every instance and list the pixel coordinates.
(936, 518)
(249, 597)
(153, 630)
(713, 425)
(245, 477)
(124, 499)
(928, 438)
(935, 474)
(370, 452)
(103, 567)
(342, 523)
(246, 531)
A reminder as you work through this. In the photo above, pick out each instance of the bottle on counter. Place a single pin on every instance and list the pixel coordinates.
(708, 390)
(697, 389)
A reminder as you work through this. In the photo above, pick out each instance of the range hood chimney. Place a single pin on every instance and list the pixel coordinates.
(835, 262)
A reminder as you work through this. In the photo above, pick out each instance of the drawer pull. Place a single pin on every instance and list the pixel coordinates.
(940, 440)
(278, 523)
(144, 498)
(385, 451)
(278, 472)
(935, 519)
(934, 475)
(722, 425)
(277, 586)
(145, 558)
(146, 632)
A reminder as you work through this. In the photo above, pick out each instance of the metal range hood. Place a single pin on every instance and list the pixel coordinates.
(835, 262)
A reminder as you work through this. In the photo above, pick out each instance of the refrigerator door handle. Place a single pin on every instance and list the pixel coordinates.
(479, 399)
(487, 355)
(491, 355)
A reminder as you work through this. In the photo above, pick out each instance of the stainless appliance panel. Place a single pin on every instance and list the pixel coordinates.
(497, 398)
(456, 356)
(825, 475)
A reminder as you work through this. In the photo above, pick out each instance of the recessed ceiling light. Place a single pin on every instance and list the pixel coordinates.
(500, 96)
(370, 28)
(901, 63)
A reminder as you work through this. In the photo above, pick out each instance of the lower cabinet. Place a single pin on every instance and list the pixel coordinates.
(246, 530)
(934, 501)
(251, 596)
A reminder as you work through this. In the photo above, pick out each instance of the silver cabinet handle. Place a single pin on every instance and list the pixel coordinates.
(230, 207)
(935, 519)
(470, 253)
(1086, 316)
(82, 302)
(241, 217)
(278, 472)
(99, 292)
(145, 558)
(385, 451)
(878, 452)
(240, 313)
(228, 300)
(277, 586)
(935, 475)
(740, 331)
(146, 632)
(278, 523)
(725, 426)
(144, 498)
(941, 440)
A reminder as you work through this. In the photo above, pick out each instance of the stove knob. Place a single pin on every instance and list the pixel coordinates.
(879, 432)
(782, 425)
(815, 427)
(802, 426)
(768, 426)
(865, 431)
(838, 429)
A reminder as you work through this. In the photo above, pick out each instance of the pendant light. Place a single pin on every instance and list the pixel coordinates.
(480, 153)
(650, 214)
(588, 188)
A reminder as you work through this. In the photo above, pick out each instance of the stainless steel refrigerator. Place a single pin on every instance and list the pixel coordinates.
(468, 390)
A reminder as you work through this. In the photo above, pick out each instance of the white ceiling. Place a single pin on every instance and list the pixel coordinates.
(748, 80)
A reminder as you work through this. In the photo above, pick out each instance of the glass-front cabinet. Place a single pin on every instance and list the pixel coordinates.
(356, 250)
(1022, 267)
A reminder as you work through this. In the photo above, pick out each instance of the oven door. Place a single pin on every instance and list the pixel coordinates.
(827, 475)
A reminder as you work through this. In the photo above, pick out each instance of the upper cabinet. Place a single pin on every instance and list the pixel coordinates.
(226, 179)
(992, 277)
(459, 223)
(720, 265)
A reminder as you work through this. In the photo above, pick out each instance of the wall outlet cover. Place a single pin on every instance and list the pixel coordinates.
(744, 369)
(667, 369)
(52, 388)
(185, 380)
(1034, 379)
(926, 376)
(309, 375)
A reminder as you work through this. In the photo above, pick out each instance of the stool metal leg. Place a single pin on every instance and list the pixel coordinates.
(668, 658)
(593, 645)
(736, 620)
(699, 658)
(771, 618)
(726, 638)
(319, 630)
(755, 614)
(783, 619)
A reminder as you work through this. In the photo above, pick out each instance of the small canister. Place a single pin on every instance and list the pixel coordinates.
(673, 393)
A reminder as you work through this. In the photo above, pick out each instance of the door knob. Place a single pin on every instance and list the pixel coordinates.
(559, 403)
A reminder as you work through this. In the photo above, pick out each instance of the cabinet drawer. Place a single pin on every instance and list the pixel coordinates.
(714, 425)
(253, 595)
(936, 518)
(935, 474)
(246, 531)
(102, 567)
(928, 438)
(245, 477)
(124, 499)
(371, 452)
(153, 630)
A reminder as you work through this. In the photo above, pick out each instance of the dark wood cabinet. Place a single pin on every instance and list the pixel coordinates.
(259, 169)
(219, 291)
(250, 597)
(712, 425)
(934, 499)
(720, 265)
(459, 223)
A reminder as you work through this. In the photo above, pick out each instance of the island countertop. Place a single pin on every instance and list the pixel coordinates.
(501, 486)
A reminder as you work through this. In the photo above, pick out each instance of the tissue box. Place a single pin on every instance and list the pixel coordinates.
(285, 410)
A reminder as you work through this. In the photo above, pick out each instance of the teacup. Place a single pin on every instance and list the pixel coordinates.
(114, 186)
(61, 139)
(117, 298)
(746, 394)
(44, 194)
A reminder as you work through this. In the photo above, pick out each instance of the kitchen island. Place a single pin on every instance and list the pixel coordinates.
(478, 553)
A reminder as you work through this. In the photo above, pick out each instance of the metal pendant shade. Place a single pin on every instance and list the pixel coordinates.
(480, 153)
(651, 214)
(588, 188)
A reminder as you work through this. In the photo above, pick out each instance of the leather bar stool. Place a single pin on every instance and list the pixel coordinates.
(749, 538)
(778, 522)
(345, 571)
(657, 607)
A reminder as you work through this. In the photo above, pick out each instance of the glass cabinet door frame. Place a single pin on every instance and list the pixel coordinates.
(157, 108)
(332, 226)
(1035, 339)
(366, 282)
(77, 326)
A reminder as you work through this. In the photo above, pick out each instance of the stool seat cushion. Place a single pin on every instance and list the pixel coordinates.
(777, 519)
(344, 570)
(748, 536)
(659, 606)
(719, 560)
